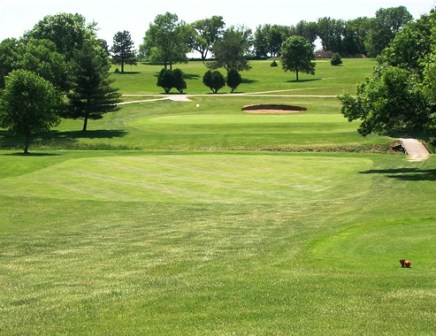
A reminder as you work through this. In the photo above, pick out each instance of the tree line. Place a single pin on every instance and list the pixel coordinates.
(168, 40)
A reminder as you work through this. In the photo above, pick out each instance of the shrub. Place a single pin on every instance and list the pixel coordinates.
(233, 79)
(214, 80)
(179, 83)
(169, 79)
(336, 60)
(274, 63)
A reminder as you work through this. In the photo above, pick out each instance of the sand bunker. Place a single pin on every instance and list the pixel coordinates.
(273, 109)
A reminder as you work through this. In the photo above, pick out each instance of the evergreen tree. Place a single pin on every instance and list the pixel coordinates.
(92, 94)
(123, 49)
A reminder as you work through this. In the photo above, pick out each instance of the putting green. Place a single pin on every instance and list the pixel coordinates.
(197, 119)
(194, 178)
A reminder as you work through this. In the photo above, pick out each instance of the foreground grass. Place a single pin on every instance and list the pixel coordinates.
(130, 243)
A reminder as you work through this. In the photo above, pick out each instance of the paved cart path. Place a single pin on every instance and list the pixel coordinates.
(415, 149)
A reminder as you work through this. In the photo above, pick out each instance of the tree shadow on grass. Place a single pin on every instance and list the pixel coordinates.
(90, 134)
(185, 76)
(248, 81)
(405, 174)
(303, 80)
(126, 73)
(190, 76)
(34, 154)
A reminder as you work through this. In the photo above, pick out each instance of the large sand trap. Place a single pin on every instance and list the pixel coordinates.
(273, 109)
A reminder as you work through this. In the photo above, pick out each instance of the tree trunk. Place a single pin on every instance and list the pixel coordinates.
(296, 73)
(122, 67)
(85, 123)
(26, 144)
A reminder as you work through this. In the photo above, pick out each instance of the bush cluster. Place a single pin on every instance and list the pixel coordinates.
(169, 79)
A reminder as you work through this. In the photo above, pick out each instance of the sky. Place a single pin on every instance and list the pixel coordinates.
(135, 16)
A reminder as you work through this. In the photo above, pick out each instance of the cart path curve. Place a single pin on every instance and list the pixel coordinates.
(415, 150)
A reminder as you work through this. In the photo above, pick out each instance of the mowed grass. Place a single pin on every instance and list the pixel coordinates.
(209, 123)
(328, 80)
(193, 218)
(128, 243)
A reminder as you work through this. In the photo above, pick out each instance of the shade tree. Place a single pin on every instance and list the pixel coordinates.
(205, 33)
(298, 56)
(386, 24)
(399, 96)
(28, 106)
(167, 40)
(67, 31)
(230, 52)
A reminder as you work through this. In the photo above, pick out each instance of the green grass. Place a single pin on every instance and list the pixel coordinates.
(170, 219)
(328, 80)
(134, 243)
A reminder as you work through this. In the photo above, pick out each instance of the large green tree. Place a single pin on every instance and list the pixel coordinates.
(410, 48)
(205, 34)
(268, 39)
(167, 40)
(400, 94)
(41, 57)
(8, 58)
(67, 31)
(387, 23)
(231, 50)
(331, 31)
(388, 102)
(354, 36)
(123, 49)
(92, 94)
(298, 56)
(28, 105)
(308, 30)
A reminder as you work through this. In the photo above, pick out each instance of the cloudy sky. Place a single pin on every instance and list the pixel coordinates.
(17, 16)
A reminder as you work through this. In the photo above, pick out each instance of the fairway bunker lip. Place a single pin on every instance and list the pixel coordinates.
(273, 109)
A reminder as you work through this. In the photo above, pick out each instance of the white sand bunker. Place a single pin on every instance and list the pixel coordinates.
(273, 109)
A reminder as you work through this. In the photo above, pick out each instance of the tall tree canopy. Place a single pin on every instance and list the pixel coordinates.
(400, 94)
(28, 105)
(41, 57)
(92, 94)
(67, 31)
(206, 33)
(167, 40)
(387, 23)
(123, 49)
(388, 102)
(8, 58)
(268, 39)
(331, 32)
(298, 56)
(231, 50)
